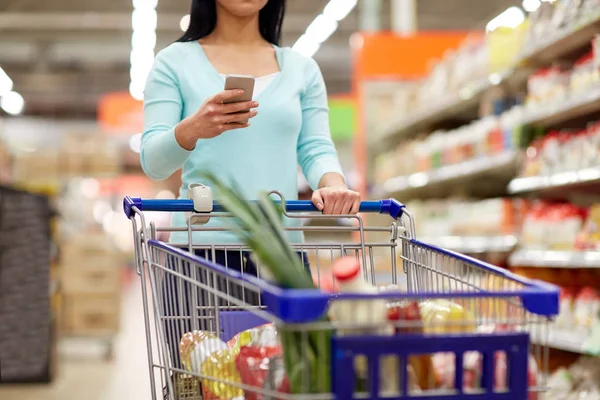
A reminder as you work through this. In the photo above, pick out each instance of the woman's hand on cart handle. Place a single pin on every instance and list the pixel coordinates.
(215, 117)
(334, 197)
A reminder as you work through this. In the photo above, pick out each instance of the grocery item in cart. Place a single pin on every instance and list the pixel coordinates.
(195, 346)
(203, 354)
(221, 369)
(362, 313)
(445, 316)
(256, 348)
(408, 313)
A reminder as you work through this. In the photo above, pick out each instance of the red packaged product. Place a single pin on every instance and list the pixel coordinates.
(255, 365)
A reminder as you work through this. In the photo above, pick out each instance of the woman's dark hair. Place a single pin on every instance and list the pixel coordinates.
(203, 19)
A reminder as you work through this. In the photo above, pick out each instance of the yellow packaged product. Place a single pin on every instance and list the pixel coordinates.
(445, 316)
(188, 343)
(220, 365)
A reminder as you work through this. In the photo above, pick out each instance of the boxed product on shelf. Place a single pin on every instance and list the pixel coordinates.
(548, 85)
(90, 284)
(563, 151)
(91, 315)
(38, 166)
(584, 75)
(579, 381)
(482, 138)
(504, 45)
(552, 226)
(453, 217)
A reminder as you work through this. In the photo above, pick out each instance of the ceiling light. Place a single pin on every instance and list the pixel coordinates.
(136, 90)
(135, 143)
(143, 40)
(531, 5)
(148, 4)
(321, 28)
(143, 19)
(6, 84)
(143, 43)
(339, 9)
(511, 18)
(184, 24)
(12, 103)
(306, 47)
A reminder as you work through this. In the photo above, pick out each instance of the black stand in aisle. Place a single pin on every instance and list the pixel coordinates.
(25, 314)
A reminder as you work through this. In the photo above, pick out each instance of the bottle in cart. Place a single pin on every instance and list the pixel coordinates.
(364, 313)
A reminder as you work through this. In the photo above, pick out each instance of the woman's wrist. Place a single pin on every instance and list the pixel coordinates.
(332, 179)
(185, 135)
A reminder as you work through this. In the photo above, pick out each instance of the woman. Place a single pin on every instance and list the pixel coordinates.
(188, 127)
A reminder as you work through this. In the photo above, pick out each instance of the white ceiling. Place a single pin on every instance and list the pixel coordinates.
(63, 54)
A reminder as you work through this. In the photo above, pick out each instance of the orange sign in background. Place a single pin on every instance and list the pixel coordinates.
(119, 113)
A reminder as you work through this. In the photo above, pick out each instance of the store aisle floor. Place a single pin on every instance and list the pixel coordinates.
(124, 378)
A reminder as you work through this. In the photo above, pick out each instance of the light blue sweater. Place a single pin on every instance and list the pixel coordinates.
(291, 128)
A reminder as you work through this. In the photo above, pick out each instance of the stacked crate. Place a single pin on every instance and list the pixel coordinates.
(90, 281)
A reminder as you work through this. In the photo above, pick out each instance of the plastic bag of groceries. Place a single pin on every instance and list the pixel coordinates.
(260, 361)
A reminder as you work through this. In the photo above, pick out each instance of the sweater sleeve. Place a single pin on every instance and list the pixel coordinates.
(316, 151)
(160, 153)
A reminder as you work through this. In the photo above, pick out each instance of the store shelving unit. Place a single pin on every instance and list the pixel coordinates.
(564, 110)
(503, 164)
(574, 110)
(561, 42)
(467, 98)
(574, 341)
(474, 244)
(560, 180)
(554, 47)
(556, 259)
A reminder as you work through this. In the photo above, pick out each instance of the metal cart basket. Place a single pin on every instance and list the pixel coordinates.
(192, 287)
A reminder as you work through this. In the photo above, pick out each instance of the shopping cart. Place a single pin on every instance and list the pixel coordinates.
(183, 292)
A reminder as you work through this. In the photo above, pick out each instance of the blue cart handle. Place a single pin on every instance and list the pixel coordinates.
(391, 207)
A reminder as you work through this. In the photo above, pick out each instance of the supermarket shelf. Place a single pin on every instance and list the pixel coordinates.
(460, 173)
(559, 180)
(572, 341)
(561, 42)
(555, 259)
(474, 244)
(565, 110)
(557, 45)
(467, 98)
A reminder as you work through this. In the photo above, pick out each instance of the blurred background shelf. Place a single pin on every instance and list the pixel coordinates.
(572, 341)
(555, 259)
(562, 180)
(488, 174)
(474, 244)
(560, 43)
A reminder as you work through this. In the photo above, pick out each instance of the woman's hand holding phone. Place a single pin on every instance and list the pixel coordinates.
(214, 117)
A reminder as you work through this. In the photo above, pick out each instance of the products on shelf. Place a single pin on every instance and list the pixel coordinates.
(579, 381)
(552, 226)
(458, 217)
(548, 85)
(482, 138)
(563, 151)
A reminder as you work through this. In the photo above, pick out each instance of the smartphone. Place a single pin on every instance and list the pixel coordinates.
(244, 82)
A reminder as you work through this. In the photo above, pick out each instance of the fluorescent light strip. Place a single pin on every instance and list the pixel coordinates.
(144, 19)
(510, 18)
(323, 26)
(10, 101)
